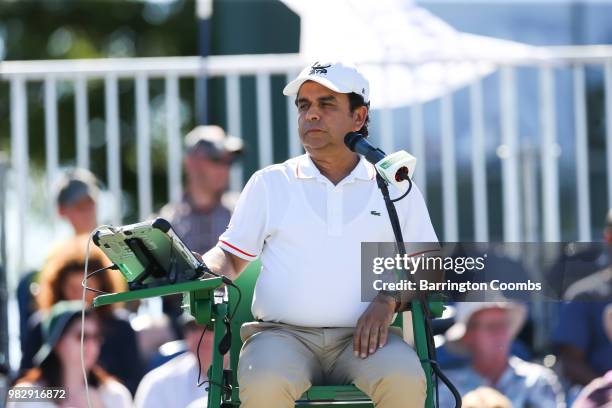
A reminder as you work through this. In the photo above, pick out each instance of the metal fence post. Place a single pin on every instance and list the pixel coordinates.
(4, 340)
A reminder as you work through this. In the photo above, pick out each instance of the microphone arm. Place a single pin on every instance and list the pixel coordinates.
(358, 144)
(397, 168)
(394, 168)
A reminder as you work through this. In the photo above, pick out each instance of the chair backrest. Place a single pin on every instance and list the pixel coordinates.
(246, 283)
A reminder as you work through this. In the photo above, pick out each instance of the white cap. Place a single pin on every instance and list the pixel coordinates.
(337, 76)
(517, 313)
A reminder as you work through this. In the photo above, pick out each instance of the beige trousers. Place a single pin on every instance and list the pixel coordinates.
(279, 362)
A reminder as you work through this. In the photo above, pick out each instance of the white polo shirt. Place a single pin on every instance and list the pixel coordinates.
(308, 233)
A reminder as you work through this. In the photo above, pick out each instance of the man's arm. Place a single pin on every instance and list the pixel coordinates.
(224, 263)
(372, 328)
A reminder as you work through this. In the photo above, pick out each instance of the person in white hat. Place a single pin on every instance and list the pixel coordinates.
(305, 219)
(484, 332)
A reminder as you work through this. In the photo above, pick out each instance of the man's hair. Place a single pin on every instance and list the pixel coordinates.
(355, 101)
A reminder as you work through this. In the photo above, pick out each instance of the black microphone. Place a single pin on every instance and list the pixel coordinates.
(358, 144)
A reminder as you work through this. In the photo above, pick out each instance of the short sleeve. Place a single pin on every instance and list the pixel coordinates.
(417, 224)
(247, 229)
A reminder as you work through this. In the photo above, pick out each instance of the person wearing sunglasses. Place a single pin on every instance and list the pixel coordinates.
(58, 364)
(202, 215)
(204, 210)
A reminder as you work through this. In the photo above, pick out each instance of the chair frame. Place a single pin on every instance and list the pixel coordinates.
(199, 300)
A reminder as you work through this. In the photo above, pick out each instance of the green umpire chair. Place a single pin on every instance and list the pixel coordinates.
(227, 316)
(224, 387)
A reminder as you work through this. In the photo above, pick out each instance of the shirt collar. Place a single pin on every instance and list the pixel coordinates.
(306, 169)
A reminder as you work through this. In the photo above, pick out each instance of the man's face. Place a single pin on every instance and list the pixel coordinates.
(324, 118)
(488, 333)
(207, 173)
(81, 214)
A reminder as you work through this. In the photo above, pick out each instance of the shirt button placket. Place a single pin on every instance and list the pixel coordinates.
(334, 210)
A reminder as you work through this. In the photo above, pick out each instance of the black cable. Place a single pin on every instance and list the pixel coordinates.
(406, 193)
(89, 275)
(397, 231)
(201, 383)
(431, 345)
(198, 383)
(238, 302)
(228, 282)
(447, 382)
(225, 342)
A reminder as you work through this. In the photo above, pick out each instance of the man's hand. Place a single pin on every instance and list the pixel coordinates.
(222, 262)
(373, 326)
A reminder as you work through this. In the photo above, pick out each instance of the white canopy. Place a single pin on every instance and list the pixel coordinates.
(408, 54)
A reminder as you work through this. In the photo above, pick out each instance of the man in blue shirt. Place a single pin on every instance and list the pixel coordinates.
(585, 350)
(483, 332)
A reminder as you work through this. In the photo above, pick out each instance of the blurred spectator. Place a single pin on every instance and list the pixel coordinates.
(61, 279)
(485, 397)
(484, 331)
(4, 381)
(585, 349)
(204, 212)
(75, 195)
(598, 394)
(173, 384)
(58, 362)
(201, 216)
(153, 331)
(579, 260)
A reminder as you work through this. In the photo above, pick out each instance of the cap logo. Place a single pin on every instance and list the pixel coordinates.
(318, 69)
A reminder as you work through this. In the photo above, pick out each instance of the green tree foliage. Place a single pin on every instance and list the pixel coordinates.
(63, 29)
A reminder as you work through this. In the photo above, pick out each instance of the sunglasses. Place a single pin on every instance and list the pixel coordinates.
(221, 160)
(225, 159)
(87, 336)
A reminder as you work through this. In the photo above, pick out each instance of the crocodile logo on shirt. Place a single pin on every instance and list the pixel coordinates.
(375, 213)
